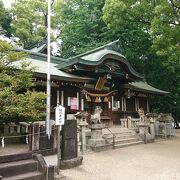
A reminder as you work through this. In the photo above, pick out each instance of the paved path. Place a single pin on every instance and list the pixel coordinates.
(155, 161)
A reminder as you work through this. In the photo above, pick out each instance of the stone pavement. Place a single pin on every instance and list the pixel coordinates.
(155, 161)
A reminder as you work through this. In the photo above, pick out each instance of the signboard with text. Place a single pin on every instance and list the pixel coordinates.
(60, 115)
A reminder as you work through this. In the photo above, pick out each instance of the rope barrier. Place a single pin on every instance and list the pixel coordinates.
(26, 135)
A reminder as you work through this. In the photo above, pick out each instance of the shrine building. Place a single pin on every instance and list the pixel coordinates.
(100, 77)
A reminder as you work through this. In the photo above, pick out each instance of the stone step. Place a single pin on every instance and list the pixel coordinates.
(122, 136)
(128, 144)
(17, 167)
(123, 141)
(15, 157)
(99, 148)
(36, 175)
(119, 134)
(117, 130)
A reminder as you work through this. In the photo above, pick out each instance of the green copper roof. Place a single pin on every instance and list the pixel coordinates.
(42, 57)
(144, 87)
(96, 57)
(41, 68)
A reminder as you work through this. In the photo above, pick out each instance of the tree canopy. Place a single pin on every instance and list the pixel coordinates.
(159, 22)
(5, 20)
(29, 21)
(148, 32)
(17, 100)
(82, 26)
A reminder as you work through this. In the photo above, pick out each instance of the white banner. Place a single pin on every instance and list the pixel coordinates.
(60, 115)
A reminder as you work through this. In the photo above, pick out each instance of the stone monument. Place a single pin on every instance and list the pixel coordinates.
(96, 127)
(146, 128)
(69, 155)
(82, 123)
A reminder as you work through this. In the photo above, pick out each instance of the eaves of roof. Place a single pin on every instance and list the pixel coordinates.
(144, 88)
(41, 56)
(40, 68)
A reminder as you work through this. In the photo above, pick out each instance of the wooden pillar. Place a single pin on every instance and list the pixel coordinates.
(136, 105)
(112, 102)
(124, 103)
(57, 97)
(62, 98)
(147, 105)
(77, 100)
(82, 104)
(35, 136)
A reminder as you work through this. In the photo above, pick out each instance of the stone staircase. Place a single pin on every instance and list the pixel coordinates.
(24, 166)
(123, 137)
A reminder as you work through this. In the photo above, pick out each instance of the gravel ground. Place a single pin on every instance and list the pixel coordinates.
(154, 161)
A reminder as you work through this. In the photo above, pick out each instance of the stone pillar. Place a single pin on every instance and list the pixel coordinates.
(55, 134)
(144, 133)
(143, 128)
(129, 123)
(35, 136)
(152, 129)
(78, 140)
(83, 125)
(96, 135)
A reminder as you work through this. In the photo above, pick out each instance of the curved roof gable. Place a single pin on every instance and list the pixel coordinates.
(98, 56)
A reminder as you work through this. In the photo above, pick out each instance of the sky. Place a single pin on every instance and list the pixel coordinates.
(7, 3)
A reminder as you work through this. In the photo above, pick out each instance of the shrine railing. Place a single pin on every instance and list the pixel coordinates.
(114, 136)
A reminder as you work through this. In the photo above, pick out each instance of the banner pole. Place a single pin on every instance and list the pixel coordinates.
(48, 90)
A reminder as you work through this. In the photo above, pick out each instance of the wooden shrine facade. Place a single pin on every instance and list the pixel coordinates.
(101, 77)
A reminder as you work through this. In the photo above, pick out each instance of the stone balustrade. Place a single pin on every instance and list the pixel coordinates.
(129, 122)
(124, 122)
(161, 124)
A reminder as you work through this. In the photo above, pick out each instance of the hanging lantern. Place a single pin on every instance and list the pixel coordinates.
(88, 99)
(129, 94)
(106, 99)
(97, 100)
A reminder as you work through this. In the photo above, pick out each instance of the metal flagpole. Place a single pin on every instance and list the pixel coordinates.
(48, 88)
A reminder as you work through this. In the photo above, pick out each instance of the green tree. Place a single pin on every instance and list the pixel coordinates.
(165, 33)
(82, 27)
(157, 25)
(29, 22)
(17, 101)
(5, 20)
(126, 21)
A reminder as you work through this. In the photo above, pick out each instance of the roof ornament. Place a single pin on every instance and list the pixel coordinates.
(112, 66)
(114, 46)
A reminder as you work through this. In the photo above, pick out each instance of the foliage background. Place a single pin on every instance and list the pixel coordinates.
(17, 100)
(148, 32)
